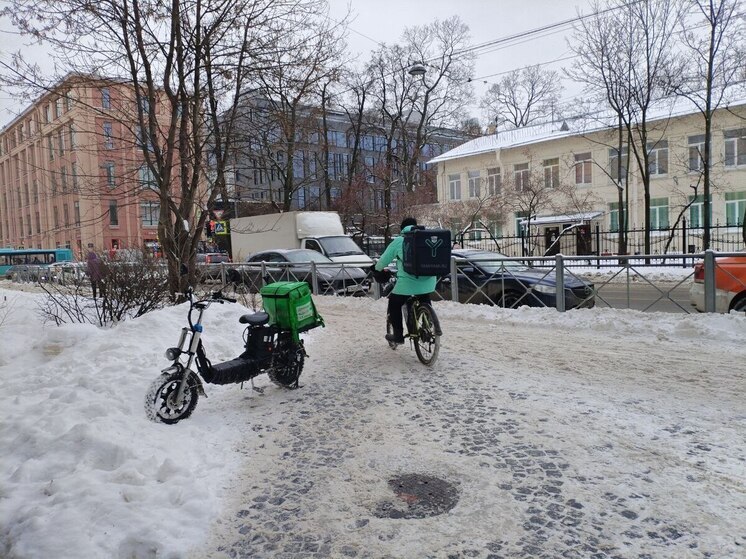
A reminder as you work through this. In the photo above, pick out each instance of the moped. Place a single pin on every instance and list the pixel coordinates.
(267, 349)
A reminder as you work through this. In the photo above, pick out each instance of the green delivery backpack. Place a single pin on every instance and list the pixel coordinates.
(290, 306)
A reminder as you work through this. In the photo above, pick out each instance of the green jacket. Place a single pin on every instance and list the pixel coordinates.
(406, 284)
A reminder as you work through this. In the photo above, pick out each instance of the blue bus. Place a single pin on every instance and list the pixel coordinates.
(32, 257)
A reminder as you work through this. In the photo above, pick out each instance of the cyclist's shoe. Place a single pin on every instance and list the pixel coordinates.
(394, 339)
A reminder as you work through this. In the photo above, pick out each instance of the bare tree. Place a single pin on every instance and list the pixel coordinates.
(302, 65)
(187, 63)
(407, 110)
(605, 67)
(712, 59)
(523, 97)
(629, 49)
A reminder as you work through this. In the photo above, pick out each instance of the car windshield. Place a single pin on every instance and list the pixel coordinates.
(340, 246)
(496, 262)
(304, 255)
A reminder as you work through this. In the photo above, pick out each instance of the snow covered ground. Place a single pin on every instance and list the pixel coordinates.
(592, 433)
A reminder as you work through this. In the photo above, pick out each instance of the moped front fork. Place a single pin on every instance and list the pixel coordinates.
(193, 345)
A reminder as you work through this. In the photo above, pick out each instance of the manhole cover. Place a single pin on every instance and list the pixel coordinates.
(418, 496)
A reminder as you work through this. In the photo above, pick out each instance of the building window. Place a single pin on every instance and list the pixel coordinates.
(475, 187)
(146, 177)
(335, 192)
(75, 177)
(658, 157)
(66, 215)
(614, 217)
(61, 141)
(298, 165)
(521, 176)
(113, 213)
(76, 212)
(551, 173)
(63, 179)
(494, 182)
(38, 223)
(696, 152)
(520, 228)
(108, 135)
(143, 139)
(337, 138)
(105, 98)
(583, 168)
(454, 187)
(379, 199)
(697, 212)
(56, 216)
(370, 163)
(301, 198)
(46, 114)
(71, 131)
(614, 164)
(735, 147)
(58, 107)
(50, 147)
(149, 212)
(658, 213)
(110, 176)
(735, 207)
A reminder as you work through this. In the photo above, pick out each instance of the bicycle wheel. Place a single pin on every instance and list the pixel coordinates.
(426, 343)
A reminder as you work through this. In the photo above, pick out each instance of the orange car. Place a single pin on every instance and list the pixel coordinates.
(730, 285)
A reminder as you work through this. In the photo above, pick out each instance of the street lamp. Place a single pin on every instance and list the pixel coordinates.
(417, 70)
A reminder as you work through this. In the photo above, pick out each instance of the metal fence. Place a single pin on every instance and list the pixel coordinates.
(627, 281)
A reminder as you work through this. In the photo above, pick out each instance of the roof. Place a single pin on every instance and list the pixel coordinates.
(572, 218)
(578, 126)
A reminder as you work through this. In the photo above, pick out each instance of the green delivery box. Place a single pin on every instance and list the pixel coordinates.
(290, 306)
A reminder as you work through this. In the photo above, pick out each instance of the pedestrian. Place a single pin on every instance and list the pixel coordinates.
(93, 264)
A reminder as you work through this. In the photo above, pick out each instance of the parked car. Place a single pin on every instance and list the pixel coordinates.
(65, 272)
(27, 272)
(488, 278)
(295, 265)
(208, 263)
(730, 285)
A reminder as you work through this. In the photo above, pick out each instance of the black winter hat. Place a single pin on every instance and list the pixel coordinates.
(407, 221)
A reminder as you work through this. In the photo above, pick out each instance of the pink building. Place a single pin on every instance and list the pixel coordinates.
(72, 172)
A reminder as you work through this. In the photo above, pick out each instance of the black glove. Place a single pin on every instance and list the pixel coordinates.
(381, 276)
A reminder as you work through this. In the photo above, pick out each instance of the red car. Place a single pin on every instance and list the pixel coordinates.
(730, 285)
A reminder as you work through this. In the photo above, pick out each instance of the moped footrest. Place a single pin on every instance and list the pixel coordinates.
(233, 371)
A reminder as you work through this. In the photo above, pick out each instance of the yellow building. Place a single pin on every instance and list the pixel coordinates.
(540, 180)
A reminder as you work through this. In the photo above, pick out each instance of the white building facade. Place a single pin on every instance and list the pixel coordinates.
(569, 172)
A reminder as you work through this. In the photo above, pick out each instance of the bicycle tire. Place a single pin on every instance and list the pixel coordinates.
(426, 343)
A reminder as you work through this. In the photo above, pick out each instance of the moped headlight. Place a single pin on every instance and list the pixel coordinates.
(544, 288)
(172, 353)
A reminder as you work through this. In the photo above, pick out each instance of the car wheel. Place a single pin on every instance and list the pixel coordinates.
(509, 299)
(739, 303)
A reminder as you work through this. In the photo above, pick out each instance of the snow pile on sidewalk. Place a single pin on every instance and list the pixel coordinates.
(83, 472)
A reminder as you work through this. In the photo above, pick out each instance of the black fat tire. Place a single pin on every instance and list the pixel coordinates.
(426, 344)
(288, 364)
(157, 405)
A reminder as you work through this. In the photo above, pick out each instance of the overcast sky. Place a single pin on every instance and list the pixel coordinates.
(383, 21)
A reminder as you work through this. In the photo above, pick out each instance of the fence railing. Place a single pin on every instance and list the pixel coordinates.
(627, 281)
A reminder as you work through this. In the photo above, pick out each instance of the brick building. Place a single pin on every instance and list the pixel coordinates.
(72, 172)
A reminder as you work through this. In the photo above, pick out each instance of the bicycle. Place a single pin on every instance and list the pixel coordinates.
(420, 319)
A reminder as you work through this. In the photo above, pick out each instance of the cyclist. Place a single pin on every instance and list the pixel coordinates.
(406, 284)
